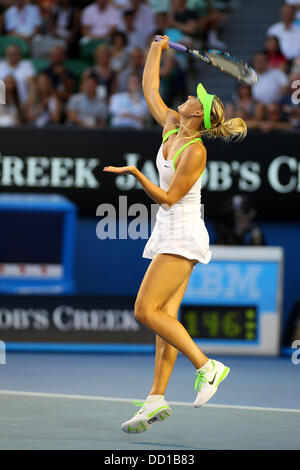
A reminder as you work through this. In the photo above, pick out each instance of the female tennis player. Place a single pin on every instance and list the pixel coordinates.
(179, 239)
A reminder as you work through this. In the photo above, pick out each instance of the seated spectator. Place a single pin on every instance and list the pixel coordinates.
(135, 65)
(296, 5)
(183, 20)
(43, 108)
(119, 54)
(290, 102)
(204, 27)
(43, 42)
(143, 16)
(162, 28)
(211, 23)
(274, 120)
(46, 13)
(161, 24)
(135, 37)
(102, 70)
(87, 109)
(275, 57)
(63, 80)
(21, 69)
(99, 20)
(272, 83)
(66, 23)
(244, 106)
(129, 109)
(287, 32)
(210, 19)
(22, 20)
(11, 113)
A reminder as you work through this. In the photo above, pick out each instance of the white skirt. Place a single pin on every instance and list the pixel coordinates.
(180, 231)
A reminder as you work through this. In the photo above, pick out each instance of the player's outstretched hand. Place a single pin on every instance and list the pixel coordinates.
(121, 170)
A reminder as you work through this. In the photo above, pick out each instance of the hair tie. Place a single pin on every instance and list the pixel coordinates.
(219, 124)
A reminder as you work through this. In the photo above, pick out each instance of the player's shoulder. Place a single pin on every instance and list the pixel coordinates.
(195, 153)
(197, 149)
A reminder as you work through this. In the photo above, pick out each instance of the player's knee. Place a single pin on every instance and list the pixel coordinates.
(141, 312)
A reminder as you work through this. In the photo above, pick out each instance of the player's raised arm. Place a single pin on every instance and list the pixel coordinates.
(157, 107)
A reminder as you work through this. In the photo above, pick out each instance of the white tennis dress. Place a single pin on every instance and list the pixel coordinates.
(179, 229)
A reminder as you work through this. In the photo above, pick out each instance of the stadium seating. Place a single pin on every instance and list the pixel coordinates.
(8, 40)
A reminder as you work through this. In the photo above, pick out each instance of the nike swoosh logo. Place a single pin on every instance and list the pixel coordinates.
(150, 421)
(211, 383)
(166, 166)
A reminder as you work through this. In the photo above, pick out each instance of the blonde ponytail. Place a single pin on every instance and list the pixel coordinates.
(231, 130)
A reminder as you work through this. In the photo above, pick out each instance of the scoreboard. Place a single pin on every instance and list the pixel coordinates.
(232, 322)
(233, 304)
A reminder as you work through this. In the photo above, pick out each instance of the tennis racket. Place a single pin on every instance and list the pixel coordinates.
(223, 61)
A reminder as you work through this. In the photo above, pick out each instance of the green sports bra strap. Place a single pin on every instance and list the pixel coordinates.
(184, 147)
(167, 135)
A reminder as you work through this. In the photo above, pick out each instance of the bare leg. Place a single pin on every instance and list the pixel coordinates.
(165, 354)
(163, 278)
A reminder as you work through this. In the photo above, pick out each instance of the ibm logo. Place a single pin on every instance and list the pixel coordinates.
(2, 92)
(2, 353)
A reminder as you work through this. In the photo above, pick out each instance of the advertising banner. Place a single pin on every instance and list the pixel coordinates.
(265, 167)
(71, 320)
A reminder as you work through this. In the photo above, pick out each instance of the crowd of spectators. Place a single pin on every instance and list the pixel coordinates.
(81, 62)
(273, 103)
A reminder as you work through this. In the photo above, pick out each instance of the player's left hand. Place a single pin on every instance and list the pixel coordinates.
(121, 170)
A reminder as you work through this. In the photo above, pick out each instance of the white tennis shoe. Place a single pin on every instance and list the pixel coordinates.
(208, 379)
(150, 412)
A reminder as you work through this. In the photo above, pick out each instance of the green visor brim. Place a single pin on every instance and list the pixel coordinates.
(206, 99)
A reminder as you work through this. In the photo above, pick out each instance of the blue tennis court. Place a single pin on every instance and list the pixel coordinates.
(78, 401)
(149, 205)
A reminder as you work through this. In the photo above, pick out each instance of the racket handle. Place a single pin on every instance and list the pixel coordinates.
(174, 45)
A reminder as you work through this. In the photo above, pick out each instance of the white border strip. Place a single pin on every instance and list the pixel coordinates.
(127, 400)
(246, 253)
(30, 270)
